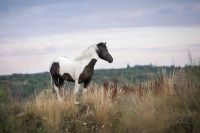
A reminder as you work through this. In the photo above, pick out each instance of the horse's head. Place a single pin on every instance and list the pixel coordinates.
(103, 53)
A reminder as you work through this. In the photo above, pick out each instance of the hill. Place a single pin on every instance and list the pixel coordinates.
(24, 85)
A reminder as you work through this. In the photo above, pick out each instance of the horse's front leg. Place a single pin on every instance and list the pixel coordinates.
(76, 88)
(86, 84)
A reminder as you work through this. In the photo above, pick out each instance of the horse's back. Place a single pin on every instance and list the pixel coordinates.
(62, 59)
(66, 65)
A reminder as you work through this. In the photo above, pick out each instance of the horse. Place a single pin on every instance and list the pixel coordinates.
(78, 70)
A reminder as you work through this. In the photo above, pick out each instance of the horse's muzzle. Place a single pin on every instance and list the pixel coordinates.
(110, 60)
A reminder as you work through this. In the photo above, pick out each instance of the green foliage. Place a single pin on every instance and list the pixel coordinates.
(24, 85)
(130, 74)
(3, 95)
(14, 120)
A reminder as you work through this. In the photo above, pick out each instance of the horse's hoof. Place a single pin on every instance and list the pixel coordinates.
(60, 100)
(85, 91)
(76, 103)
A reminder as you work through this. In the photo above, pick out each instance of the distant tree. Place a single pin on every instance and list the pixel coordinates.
(128, 66)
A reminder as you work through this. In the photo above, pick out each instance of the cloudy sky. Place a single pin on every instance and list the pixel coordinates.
(161, 32)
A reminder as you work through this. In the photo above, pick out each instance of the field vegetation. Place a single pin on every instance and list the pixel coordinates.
(169, 103)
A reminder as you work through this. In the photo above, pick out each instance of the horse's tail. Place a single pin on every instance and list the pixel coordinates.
(51, 79)
(52, 83)
(58, 81)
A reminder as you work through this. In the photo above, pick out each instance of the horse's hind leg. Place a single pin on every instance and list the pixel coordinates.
(52, 84)
(57, 93)
(53, 90)
(56, 86)
(57, 80)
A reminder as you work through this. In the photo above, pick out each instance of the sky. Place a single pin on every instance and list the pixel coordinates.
(137, 32)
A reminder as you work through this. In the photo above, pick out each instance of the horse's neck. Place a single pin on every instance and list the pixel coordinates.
(86, 56)
(88, 53)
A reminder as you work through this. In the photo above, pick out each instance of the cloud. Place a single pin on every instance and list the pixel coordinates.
(137, 31)
(195, 46)
(139, 45)
(43, 18)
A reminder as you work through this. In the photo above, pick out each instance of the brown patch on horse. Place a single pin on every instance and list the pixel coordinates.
(55, 67)
(68, 77)
(57, 79)
(87, 73)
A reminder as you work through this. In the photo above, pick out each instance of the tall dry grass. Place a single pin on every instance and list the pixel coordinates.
(94, 113)
(49, 109)
(103, 106)
(167, 104)
(101, 111)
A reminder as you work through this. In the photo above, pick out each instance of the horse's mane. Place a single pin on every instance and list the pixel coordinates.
(87, 53)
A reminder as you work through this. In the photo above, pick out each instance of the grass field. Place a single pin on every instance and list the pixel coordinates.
(169, 104)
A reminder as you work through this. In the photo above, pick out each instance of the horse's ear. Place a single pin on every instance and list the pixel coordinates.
(101, 44)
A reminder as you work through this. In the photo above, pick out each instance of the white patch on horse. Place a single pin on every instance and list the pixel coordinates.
(88, 53)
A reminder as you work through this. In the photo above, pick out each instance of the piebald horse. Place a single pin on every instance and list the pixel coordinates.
(78, 70)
